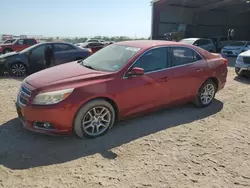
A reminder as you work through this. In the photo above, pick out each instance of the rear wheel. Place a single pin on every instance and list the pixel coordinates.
(7, 51)
(94, 119)
(205, 94)
(18, 69)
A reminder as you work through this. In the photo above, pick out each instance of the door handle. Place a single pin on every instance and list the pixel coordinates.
(163, 79)
(199, 70)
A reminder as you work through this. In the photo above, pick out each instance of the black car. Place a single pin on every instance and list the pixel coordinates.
(32, 59)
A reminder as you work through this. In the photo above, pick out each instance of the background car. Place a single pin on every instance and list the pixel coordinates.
(206, 44)
(93, 46)
(9, 41)
(220, 42)
(93, 40)
(242, 65)
(32, 59)
(90, 96)
(235, 48)
(17, 45)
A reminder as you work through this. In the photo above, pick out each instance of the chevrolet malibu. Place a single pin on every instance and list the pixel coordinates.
(119, 81)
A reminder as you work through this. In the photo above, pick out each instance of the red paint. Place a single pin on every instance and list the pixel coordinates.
(131, 95)
(15, 47)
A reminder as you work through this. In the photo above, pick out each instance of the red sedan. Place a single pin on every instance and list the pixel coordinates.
(120, 80)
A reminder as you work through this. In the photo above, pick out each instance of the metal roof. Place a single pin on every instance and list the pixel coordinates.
(205, 5)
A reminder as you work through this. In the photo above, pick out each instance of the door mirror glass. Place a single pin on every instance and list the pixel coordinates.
(136, 71)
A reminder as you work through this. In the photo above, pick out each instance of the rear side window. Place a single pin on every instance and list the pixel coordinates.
(29, 41)
(62, 47)
(183, 56)
(153, 60)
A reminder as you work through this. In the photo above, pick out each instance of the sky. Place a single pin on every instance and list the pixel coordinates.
(76, 18)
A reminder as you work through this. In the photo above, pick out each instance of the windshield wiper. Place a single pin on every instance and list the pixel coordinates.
(89, 67)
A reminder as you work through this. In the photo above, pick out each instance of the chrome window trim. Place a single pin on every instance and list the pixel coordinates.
(202, 58)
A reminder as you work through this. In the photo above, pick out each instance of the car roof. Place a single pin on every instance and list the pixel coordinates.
(146, 43)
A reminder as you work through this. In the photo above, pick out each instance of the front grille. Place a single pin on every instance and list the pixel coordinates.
(24, 95)
(246, 60)
(25, 91)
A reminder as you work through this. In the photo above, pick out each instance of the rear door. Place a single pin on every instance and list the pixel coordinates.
(64, 53)
(187, 72)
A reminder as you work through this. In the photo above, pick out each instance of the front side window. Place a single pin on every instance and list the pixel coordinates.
(63, 47)
(153, 60)
(205, 42)
(20, 42)
(38, 51)
(183, 56)
(111, 58)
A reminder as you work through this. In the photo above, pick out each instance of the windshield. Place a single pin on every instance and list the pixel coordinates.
(187, 41)
(111, 58)
(237, 44)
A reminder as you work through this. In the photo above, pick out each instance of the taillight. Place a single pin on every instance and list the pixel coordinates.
(225, 61)
(90, 52)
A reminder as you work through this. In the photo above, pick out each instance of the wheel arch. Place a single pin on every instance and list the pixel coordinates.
(15, 62)
(215, 80)
(108, 99)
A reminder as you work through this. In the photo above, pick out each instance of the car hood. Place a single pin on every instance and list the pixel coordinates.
(9, 55)
(3, 45)
(246, 53)
(232, 47)
(60, 75)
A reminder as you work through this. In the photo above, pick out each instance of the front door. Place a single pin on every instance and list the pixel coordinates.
(37, 58)
(144, 92)
(19, 45)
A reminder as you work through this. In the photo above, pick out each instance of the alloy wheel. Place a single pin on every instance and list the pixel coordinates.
(18, 69)
(207, 94)
(96, 121)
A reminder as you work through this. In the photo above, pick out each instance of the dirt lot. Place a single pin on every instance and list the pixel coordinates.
(180, 147)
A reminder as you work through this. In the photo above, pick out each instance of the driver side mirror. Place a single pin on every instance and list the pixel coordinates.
(136, 71)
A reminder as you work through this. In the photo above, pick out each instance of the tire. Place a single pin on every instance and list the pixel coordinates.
(7, 50)
(201, 103)
(92, 122)
(237, 70)
(18, 69)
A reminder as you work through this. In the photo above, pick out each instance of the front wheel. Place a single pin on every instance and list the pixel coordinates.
(94, 119)
(18, 69)
(205, 94)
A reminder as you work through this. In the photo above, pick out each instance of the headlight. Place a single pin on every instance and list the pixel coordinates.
(53, 97)
(239, 58)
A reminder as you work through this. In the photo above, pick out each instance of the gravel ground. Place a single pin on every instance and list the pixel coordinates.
(179, 147)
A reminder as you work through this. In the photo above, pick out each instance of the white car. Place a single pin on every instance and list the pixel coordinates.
(242, 66)
(206, 44)
(235, 48)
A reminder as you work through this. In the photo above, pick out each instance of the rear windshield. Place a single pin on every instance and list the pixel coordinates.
(111, 58)
(187, 41)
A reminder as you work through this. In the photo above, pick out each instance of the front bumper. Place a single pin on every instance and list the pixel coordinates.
(242, 67)
(60, 119)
